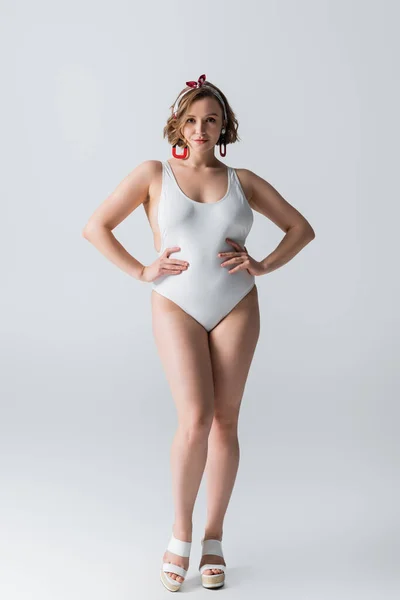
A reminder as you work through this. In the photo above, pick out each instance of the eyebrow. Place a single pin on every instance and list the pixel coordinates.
(214, 114)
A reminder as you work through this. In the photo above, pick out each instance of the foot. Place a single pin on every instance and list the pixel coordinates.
(212, 559)
(181, 561)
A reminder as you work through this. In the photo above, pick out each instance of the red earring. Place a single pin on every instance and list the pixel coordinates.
(224, 152)
(222, 143)
(184, 155)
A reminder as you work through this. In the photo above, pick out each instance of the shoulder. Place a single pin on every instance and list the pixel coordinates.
(150, 167)
(247, 176)
(246, 179)
(255, 185)
(149, 171)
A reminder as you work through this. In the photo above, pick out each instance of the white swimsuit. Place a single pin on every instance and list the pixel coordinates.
(205, 290)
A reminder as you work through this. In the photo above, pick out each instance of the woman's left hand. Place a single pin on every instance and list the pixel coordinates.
(241, 259)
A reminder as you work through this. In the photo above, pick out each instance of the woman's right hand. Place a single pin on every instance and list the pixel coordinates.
(164, 265)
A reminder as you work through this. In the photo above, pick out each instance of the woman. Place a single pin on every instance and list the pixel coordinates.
(205, 311)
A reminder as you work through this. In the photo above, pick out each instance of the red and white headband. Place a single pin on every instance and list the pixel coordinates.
(197, 84)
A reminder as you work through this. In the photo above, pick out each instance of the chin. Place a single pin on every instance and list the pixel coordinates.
(201, 148)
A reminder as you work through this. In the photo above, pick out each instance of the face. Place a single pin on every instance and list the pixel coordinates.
(204, 120)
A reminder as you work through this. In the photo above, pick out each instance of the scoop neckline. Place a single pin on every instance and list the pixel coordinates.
(195, 201)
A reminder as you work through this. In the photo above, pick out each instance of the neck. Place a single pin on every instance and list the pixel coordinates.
(201, 160)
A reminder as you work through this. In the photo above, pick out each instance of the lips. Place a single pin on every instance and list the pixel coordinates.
(200, 140)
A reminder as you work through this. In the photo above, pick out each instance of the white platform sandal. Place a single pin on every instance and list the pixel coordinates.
(182, 549)
(217, 580)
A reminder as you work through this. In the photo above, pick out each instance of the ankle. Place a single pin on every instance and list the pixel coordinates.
(182, 532)
(213, 534)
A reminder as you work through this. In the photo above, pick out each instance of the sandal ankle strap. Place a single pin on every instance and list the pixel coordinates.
(212, 547)
(179, 547)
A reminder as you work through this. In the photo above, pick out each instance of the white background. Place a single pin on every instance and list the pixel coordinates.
(87, 418)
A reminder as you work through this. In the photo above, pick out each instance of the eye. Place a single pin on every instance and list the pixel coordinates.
(191, 119)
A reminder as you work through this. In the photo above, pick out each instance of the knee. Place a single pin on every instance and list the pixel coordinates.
(226, 425)
(197, 427)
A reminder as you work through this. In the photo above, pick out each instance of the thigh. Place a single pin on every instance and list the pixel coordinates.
(182, 345)
(232, 345)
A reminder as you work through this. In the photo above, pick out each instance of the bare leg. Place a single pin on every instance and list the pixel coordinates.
(184, 351)
(232, 345)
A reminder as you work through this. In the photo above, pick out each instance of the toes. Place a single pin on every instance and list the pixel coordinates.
(177, 578)
(173, 576)
(212, 571)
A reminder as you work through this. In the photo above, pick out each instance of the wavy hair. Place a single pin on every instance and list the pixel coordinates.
(173, 128)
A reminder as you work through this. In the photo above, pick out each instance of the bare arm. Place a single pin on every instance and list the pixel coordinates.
(129, 194)
(266, 200)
